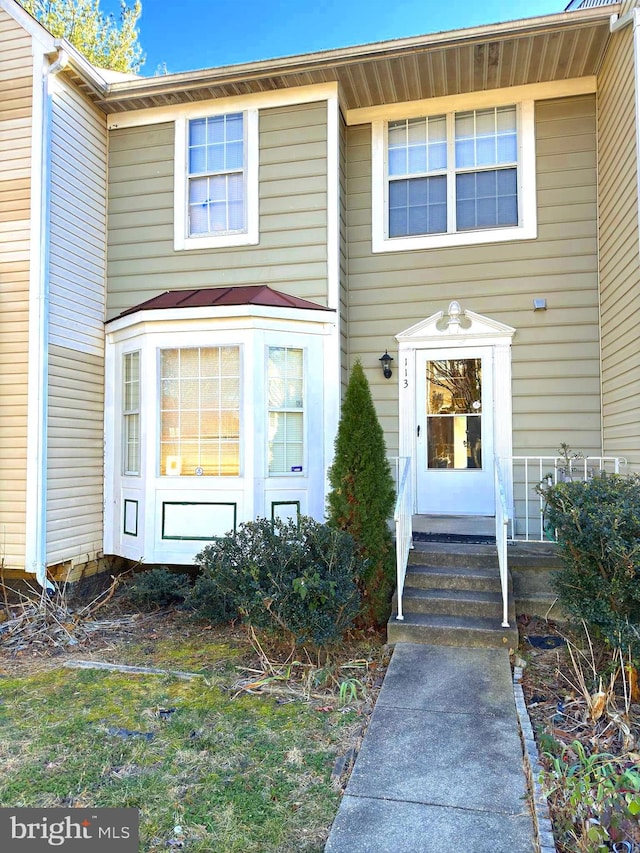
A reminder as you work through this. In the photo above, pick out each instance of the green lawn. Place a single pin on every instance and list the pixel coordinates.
(236, 772)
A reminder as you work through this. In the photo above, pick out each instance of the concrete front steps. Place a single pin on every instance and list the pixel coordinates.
(452, 597)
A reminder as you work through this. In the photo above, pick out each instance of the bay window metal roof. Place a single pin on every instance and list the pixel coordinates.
(215, 297)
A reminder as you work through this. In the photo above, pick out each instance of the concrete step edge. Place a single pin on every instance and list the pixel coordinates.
(411, 632)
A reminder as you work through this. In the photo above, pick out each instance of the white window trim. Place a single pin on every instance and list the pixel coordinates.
(527, 212)
(250, 236)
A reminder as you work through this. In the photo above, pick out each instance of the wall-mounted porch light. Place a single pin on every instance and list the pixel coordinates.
(385, 361)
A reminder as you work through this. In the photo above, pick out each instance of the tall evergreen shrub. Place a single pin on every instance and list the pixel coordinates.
(362, 495)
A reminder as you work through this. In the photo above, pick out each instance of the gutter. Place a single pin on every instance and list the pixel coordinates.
(616, 23)
(340, 57)
(82, 67)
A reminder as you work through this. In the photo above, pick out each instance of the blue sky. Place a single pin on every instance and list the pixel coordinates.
(191, 34)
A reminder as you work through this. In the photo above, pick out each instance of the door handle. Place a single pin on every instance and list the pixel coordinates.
(418, 431)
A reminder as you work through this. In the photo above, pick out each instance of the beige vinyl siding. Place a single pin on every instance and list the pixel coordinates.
(555, 352)
(77, 222)
(292, 254)
(619, 262)
(75, 455)
(16, 82)
(75, 437)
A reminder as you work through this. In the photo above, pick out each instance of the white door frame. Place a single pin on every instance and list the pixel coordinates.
(455, 491)
(451, 329)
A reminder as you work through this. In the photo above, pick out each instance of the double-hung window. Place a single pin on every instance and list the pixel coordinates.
(285, 389)
(216, 186)
(452, 179)
(216, 170)
(131, 413)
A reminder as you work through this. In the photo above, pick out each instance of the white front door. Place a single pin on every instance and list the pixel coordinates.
(454, 431)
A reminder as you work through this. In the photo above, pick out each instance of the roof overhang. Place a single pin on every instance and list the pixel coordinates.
(533, 50)
(564, 46)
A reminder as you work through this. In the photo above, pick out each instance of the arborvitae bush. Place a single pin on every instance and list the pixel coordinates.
(159, 587)
(298, 578)
(598, 529)
(363, 495)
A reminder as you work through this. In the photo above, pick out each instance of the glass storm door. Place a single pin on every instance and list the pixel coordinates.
(454, 432)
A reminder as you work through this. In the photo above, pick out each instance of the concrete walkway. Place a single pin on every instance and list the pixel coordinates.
(440, 768)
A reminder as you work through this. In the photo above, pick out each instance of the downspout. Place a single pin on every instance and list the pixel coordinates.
(40, 407)
(617, 23)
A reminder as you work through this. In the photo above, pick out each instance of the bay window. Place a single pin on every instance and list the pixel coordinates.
(214, 410)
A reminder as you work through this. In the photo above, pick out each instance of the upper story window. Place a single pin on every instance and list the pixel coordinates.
(200, 411)
(216, 175)
(454, 179)
(216, 181)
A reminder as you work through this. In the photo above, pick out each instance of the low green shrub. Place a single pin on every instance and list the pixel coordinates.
(159, 587)
(297, 578)
(598, 530)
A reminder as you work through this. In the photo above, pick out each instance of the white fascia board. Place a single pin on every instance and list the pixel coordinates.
(50, 44)
(390, 49)
(234, 314)
(29, 24)
(473, 100)
(256, 100)
(83, 67)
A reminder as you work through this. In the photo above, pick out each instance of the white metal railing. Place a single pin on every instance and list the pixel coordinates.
(502, 523)
(528, 522)
(402, 519)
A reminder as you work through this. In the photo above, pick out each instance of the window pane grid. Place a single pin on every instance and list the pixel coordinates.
(131, 413)
(216, 175)
(285, 392)
(486, 138)
(200, 411)
(475, 188)
(487, 199)
(417, 146)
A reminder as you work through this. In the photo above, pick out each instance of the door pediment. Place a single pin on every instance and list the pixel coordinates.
(455, 327)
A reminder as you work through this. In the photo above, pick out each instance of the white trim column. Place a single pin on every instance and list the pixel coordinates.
(407, 403)
(503, 420)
